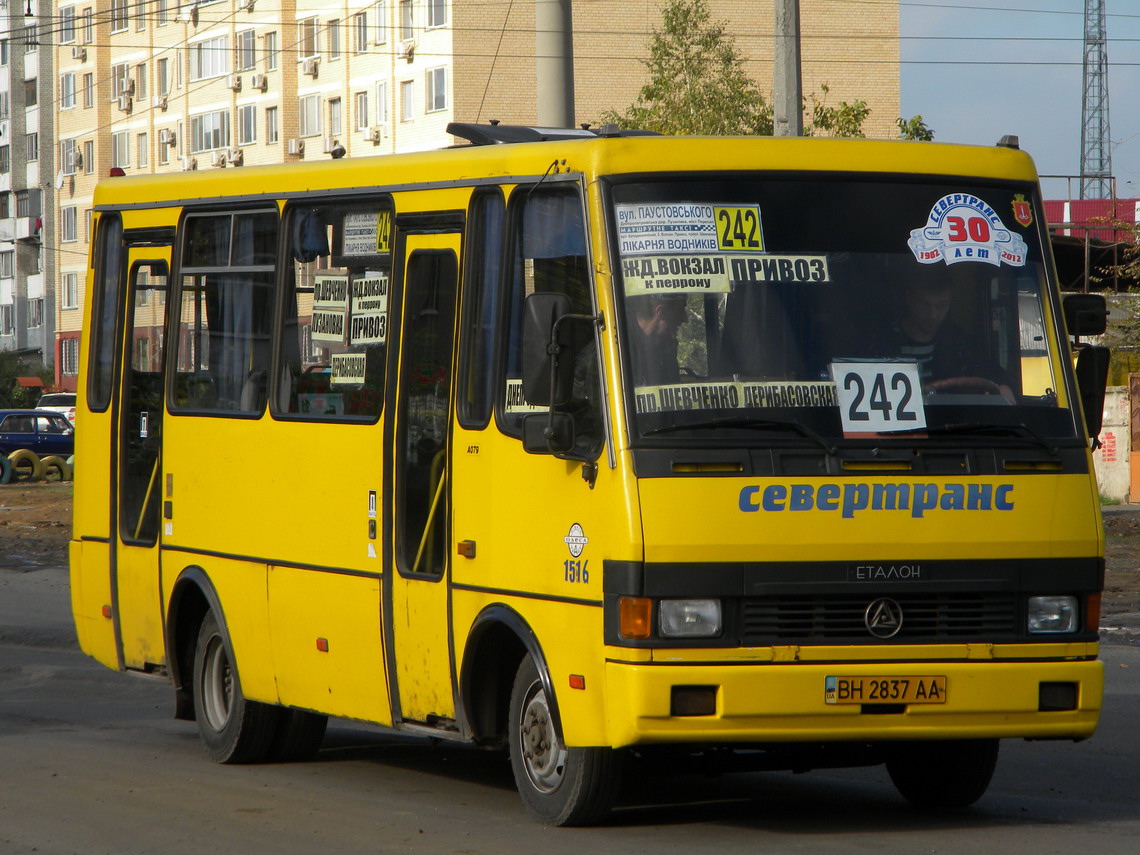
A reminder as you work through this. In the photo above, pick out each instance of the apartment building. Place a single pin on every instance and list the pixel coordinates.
(160, 85)
(28, 238)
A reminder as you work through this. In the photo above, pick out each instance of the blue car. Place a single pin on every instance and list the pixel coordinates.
(41, 431)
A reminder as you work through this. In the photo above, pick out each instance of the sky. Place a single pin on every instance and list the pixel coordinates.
(979, 69)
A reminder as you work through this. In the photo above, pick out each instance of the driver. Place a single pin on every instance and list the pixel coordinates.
(941, 350)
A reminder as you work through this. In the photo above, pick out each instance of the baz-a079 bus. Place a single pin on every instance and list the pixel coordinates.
(588, 444)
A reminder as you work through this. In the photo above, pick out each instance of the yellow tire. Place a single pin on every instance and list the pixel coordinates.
(55, 468)
(26, 465)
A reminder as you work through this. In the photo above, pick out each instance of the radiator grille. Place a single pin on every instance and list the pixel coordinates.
(951, 616)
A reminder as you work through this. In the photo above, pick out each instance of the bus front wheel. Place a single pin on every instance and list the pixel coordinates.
(233, 729)
(948, 774)
(560, 785)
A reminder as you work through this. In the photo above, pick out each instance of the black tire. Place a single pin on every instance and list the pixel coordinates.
(233, 729)
(299, 736)
(560, 785)
(950, 774)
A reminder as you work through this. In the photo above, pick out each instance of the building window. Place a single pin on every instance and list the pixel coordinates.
(209, 58)
(247, 124)
(381, 23)
(31, 92)
(361, 110)
(310, 117)
(271, 51)
(28, 203)
(7, 264)
(162, 12)
(162, 71)
(407, 29)
(68, 232)
(67, 156)
(120, 80)
(69, 355)
(121, 149)
(88, 90)
(382, 103)
(70, 290)
(140, 81)
(143, 150)
(67, 25)
(334, 39)
(407, 100)
(360, 33)
(310, 38)
(66, 91)
(5, 104)
(88, 25)
(210, 131)
(336, 123)
(437, 13)
(119, 15)
(36, 313)
(246, 55)
(32, 146)
(5, 204)
(163, 152)
(5, 159)
(272, 133)
(140, 16)
(7, 317)
(436, 93)
(89, 156)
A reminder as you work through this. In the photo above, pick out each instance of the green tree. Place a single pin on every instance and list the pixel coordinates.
(697, 83)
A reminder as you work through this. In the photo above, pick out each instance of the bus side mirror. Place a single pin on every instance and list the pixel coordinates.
(1092, 380)
(548, 371)
(548, 433)
(1085, 314)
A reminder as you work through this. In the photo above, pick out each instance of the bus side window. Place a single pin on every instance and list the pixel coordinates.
(109, 257)
(548, 254)
(334, 330)
(226, 308)
(482, 302)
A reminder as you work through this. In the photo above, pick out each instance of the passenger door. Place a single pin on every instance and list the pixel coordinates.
(138, 481)
(419, 650)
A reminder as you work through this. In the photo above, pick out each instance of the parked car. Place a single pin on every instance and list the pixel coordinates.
(59, 402)
(42, 431)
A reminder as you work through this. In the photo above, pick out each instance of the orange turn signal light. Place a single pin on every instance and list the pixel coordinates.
(635, 617)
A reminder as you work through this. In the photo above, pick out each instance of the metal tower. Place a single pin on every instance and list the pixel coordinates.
(1096, 154)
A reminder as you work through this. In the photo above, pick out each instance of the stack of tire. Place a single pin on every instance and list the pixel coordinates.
(25, 465)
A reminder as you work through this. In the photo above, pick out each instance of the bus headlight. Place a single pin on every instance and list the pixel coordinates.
(690, 618)
(1053, 614)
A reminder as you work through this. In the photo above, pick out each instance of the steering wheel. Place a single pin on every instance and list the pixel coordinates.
(964, 385)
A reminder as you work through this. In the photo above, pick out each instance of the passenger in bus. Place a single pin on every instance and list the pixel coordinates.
(656, 319)
(946, 356)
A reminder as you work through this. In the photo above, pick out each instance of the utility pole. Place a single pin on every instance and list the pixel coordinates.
(1096, 152)
(554, 63)
(787, 96)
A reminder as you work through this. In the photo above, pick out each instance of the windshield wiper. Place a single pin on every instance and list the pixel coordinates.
(748, 424)
(980, 428)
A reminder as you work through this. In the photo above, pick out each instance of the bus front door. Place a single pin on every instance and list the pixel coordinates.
(138, 499)
(419, 649)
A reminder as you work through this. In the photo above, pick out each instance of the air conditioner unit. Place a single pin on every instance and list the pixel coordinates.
(408, 49)
(189, 163)
(376, 133)
(246, 4)
(234, 82)
(188, 14)
(166, 136)
(77, 159)
(236, 156)
(311, 65)
(128, 87)
(219, 158)
(295, 147)
(259, 81)
(329, 143)
(79, 53)
(160, 102)
(126, 103)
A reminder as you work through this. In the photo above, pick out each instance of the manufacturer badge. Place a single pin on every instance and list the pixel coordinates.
(576, 540)
(883, 618)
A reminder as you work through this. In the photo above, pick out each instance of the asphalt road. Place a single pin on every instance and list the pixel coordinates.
(91, 761)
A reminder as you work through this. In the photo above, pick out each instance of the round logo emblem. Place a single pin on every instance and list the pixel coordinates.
(883, 618)
(576, 540)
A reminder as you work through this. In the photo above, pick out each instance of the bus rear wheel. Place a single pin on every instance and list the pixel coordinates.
(948, 774)
(560, 785)
(233, 729)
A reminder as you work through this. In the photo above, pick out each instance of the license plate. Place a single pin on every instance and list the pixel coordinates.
(884, 690)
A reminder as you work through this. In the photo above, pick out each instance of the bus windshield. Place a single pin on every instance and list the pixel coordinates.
(836, 306)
